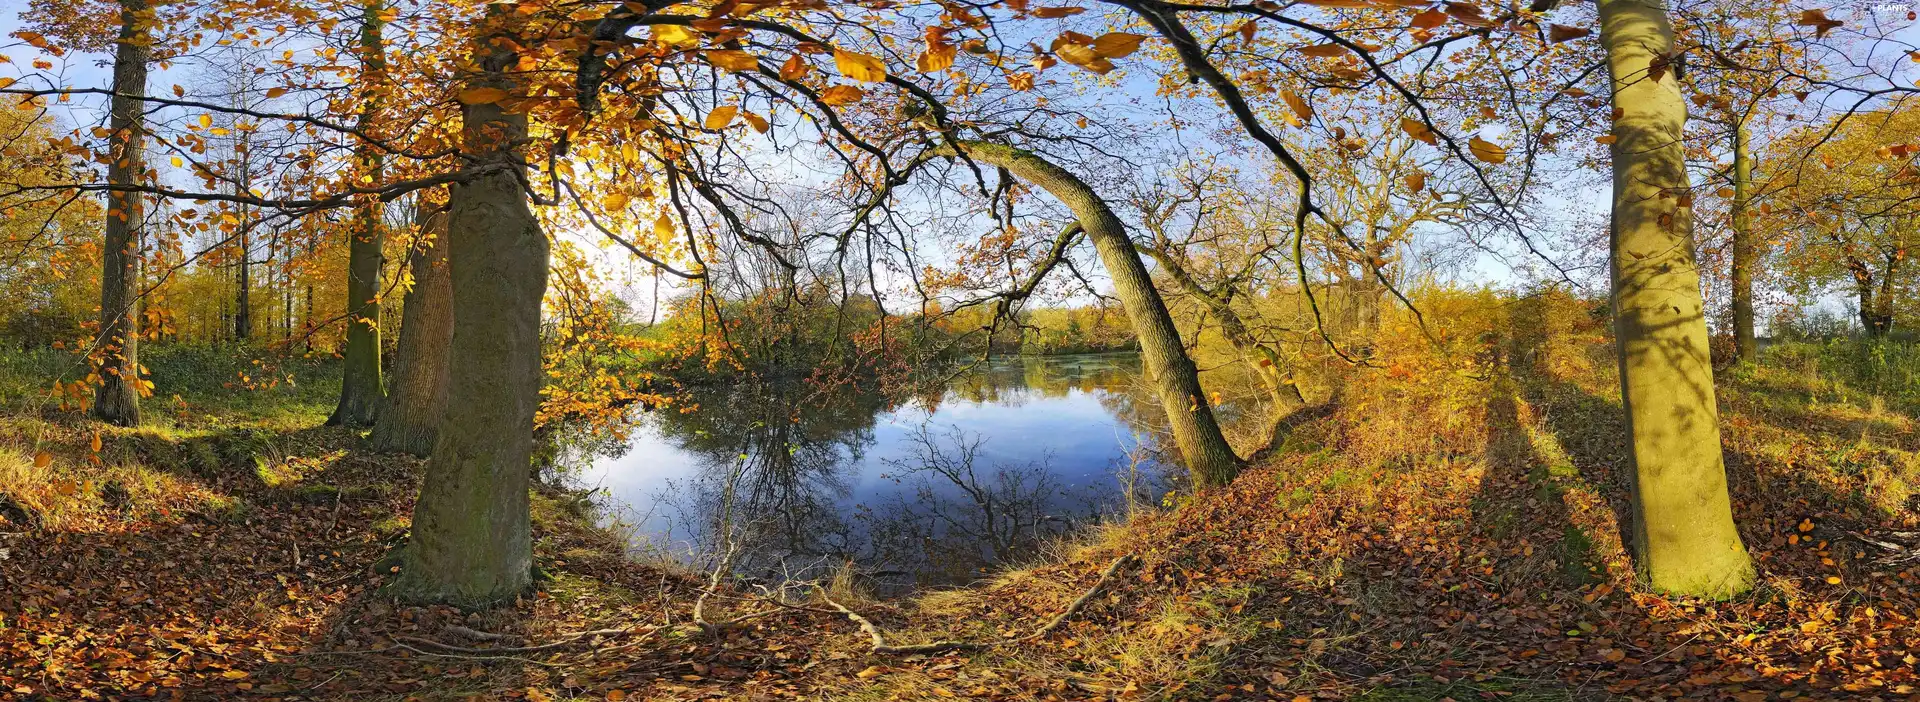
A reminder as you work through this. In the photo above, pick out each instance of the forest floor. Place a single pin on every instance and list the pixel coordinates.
(1430, 538)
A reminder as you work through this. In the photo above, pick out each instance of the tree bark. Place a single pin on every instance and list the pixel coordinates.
(418, 394)
(471, 542)
(362, 390)
(1745, 249)
(1683, 531)
(1172, 374)
(1265, 361)
(117, 398)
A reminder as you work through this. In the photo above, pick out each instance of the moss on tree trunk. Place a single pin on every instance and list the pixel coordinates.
(1683, 532)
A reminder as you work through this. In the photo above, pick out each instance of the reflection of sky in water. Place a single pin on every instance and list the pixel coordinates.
(1058, 411)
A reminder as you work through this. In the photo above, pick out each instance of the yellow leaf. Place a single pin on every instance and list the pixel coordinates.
(870, 672)
(1115, 45)
(1022, 81)
(275, 92)
(1084, 57)
(615, 201)
(758, 123)
(936, 58)
(6, 83)
(674, 35)
(1418, 130)
(177, 163)
(1300, 106)
(482, 96)
(860, 67)
(842, 95)
(206, 120)
(663, 227)
(95, 442)
(720, 117)
(233, 674)
(1487, 150)
(733, 60)
(1604, 139)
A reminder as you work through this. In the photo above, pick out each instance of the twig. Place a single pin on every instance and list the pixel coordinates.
(562, 643)
(880, 645)
(515, 659)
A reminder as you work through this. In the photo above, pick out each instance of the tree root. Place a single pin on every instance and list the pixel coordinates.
(880, 645)
(1893, 547)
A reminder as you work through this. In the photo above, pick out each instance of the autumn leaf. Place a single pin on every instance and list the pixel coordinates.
(1057, 12)
(795, 68)
(1323, 50)
(936, 58)
(720, 117)
(271, 92)
(233, 674)
(1487, 151)
(1299, 106)
(1416, 181)
(614, 201)
(1605, 139)
(94, 443)
(1022, 81)
(1115, 45)
(482, 96)
(1084, 57)
(663, 227)
(1561, 33)
(1418, 130)
(860, 67)
(733, 60)
(1818, 20)
(1429, 19)
(674, 35)
(842, 95)
(42, 459)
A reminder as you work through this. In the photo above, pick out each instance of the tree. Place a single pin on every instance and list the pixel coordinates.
(472, 543)
(417, 396)
(1683, 532)
(362, 390)
(1175, 380)
(116, 399)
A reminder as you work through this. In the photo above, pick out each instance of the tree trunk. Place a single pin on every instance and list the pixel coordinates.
(117, 399)
(243, 298)
(1263, 359)
(1683, 532)
(471, 544)
(362, 390)
(418, 393)
(1173, 376)
(1745, 249)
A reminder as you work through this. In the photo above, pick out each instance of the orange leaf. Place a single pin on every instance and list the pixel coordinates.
(1299, 106)
(1057, 12)
(1115, 45)
(275, 92)
(1487, 151)
(733, 60)
(842, 95)
(42, 459)
(936, 58)
(794, 68)
(1429, 19)
(1418, 130)
(482, 96)
(1416, 181)
(1562, 33)
(1323, 50)
(720, 117)
(758, 123)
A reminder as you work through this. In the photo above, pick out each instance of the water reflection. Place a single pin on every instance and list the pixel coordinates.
(790, 480)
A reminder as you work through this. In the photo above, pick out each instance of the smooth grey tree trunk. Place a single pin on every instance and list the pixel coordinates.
(116, 400)
(417, 391)
(1746, 251)
(1172, 374)
(1683, 531)
(471, 543)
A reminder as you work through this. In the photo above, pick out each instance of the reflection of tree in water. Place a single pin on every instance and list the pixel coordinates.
(773, 457)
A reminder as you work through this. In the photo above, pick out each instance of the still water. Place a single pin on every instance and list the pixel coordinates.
(792, 481)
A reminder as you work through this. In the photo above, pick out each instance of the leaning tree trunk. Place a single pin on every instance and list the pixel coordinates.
(117, 399)
(418, 392)
(362, 390)
(471, 543)
(1683, 532)
(1745, 249)
(1171, 373)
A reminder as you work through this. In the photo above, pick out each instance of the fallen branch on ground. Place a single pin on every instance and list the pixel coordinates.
(564, 642)
(881, 646)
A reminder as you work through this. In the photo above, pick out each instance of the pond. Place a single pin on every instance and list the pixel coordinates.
(790, 481)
